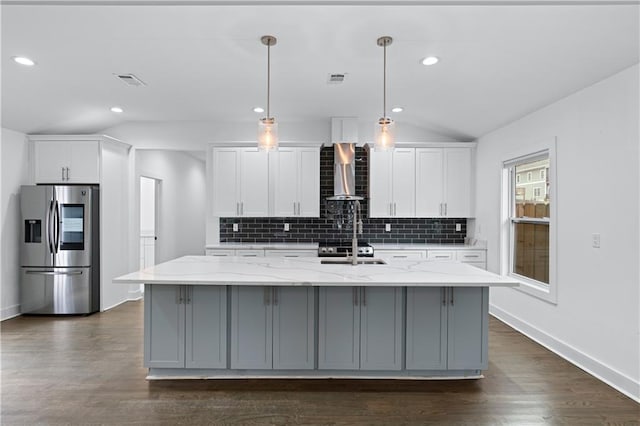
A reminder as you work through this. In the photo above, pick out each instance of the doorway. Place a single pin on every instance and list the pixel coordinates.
(149, 195)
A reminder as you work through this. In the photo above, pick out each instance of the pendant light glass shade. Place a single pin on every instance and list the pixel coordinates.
(267, 126)
(384, 132)
(267, 134)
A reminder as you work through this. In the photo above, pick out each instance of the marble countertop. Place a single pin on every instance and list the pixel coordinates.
(308, 271)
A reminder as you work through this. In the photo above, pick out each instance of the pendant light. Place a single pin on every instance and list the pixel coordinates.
(267, 126)
(384, 132)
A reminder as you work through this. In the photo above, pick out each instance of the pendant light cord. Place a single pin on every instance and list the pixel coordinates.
(268, 76)
(384, 84)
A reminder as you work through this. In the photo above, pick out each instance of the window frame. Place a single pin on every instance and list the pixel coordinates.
(547, 292)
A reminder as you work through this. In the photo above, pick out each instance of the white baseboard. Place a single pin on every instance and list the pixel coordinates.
(9, 312)
(601, 371)
(135, 295)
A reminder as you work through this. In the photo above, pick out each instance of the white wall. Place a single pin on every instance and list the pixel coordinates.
(182, 200)
(14, 159)
(596, 321)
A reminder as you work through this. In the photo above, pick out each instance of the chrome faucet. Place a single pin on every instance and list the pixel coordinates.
(357, 229)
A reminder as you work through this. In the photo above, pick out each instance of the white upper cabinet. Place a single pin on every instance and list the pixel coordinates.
(392, 183)
(443, 182)
(240, 182)
(296, 182)
(60, 161)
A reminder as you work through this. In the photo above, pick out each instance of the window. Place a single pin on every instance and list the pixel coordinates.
(527, 239)
(542, 174)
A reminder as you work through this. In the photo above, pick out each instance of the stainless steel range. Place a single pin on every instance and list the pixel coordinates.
(343, 249)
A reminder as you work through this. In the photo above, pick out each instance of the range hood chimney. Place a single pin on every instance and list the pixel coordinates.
(344, 172)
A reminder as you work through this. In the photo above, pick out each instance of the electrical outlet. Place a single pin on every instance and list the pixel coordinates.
(235, 227)
(595, 240)
(458, 227)
(286, 227)
(387, 227)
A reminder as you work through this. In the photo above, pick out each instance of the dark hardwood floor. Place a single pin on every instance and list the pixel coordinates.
(88, 370)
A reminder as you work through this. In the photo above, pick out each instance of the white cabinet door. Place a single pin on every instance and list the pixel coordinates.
(226, 187)
(206, 326)
(308, 182)
(284, 164)
(251, 327)
(429, 182)
(380, 328)
(84, 162)
(404, 182)
(338, 328)
(380, 184)
(293, 328)
(457, 197)
(67, 161)
(254, 183)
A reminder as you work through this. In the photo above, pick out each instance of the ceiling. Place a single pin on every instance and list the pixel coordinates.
(205, 63)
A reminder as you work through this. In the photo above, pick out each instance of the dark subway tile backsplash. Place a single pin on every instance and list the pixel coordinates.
(306, 230)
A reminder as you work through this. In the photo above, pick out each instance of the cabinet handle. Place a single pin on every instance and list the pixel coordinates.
(188, 290)
(179, 295)
(390, 209)
(395, 210)
(294, 208)
(62, 171)
(451, 296)
(399, 257)
(471, 256)
(441, 257)
(67, 173)
(444, 296)
(275, 296)
(364, 296)
(445, 209)
(441, 210)
(241, 208)
(355, 296)
(298, 208)
(266, 296)
(237, 209)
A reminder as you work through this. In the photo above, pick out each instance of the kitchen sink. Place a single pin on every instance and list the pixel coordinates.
(344, 261)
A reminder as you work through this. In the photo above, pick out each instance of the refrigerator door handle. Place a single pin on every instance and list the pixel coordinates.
(57, 219)
(54, 272)
(50, 227)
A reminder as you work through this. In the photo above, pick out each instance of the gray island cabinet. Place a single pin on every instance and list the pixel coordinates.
(235, 317)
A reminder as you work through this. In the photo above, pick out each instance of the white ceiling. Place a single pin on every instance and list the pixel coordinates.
(205, 63)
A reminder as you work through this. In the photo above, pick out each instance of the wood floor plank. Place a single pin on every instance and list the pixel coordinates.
(88, 370)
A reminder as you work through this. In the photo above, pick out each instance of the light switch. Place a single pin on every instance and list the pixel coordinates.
(387, 227)
(286, 226)
(458, 227)
(235, 227)
(595, 240)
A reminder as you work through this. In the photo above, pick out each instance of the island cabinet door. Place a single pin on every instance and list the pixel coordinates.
(426, 328)
(339, 328)
(164, 328)
(206, 327)
(380, 328)
(293, 328)
(467, 318)
(251, 327)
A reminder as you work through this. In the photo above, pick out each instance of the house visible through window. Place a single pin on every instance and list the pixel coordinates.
(529, 220)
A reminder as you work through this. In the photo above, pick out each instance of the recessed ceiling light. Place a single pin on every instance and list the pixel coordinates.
(430, 60)
(23, 60)
(117, 109)
(397, 109)
(258, 109)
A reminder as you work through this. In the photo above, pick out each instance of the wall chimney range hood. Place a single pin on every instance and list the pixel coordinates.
(344, 173)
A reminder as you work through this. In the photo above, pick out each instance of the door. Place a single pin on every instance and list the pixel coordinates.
(380, 185)
(55, 291)
(429, 182)
(36, 206)
(309, 183)
(72, 234)
(426, 328)
(164, 316)
(254, 183)
(251, 327)
(381, 328)
(467, 320)
(284, 163)
(149, 191)
(226, 188)
(339, 328)
(293, 328)
(457, 182)
(404, 182)
(206, 327)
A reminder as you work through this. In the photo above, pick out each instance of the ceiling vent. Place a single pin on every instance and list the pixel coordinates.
(130, 80)
(336, 78)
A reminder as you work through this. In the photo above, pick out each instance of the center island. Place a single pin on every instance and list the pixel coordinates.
(274, 317)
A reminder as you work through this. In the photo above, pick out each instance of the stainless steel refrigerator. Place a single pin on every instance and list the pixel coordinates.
(60, 253)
